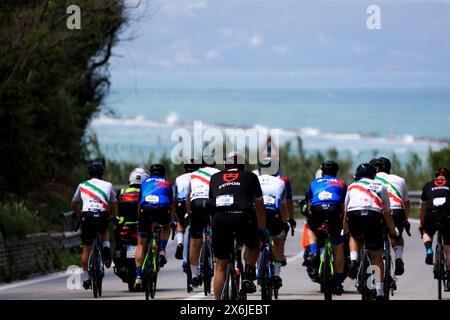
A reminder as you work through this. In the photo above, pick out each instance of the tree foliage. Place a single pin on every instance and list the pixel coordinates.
(52, 80)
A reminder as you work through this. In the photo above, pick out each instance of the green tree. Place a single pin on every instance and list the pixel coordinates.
(52, 81)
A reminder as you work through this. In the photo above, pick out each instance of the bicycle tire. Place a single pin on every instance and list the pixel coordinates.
(206, 269)
(387, 270)
(326, 277)
(438, 263)
(364, 278)
(225, 295)
(263, 281)
(99, 284)
(188, 271)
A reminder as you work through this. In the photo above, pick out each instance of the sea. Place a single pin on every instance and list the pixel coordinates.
(356, 120)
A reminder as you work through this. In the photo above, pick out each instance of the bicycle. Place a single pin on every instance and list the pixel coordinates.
(326, 266)
(96, 267)
(440, 264)
(150, 266)
(264, 271)
(362, 278)
(389, 279)
(187, 261)
(232, 287)
(206, 260)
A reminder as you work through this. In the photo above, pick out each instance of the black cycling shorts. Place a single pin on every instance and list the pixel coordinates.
(150, 215)
(225, 224)
(199, 217)
(331, 213)
(399, 217)
(181, 213)
(91, 224)
(367, 225)
(274, 222)
(434, 219)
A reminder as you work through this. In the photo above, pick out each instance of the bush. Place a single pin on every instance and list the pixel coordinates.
(16, 220)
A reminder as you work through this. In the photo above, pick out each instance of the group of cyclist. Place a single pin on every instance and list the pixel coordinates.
(251, 206)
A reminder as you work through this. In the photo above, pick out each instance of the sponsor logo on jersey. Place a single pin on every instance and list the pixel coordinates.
(325, 195)
(230, 177)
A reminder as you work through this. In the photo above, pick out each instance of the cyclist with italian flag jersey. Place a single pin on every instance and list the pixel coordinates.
(400, 206)
(367, 208)
(98, 198)
(199, 209)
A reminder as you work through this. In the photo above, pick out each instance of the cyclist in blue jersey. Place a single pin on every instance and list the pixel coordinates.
(155, 206)
(326, 198)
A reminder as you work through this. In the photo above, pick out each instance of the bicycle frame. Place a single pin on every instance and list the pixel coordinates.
(95, 267)
(233, 276)
(206, 260)
(264, 270)
(150, 265)
(326, 266)
(440, 263)
(389, 277)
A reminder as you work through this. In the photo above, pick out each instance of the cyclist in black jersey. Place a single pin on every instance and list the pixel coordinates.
(233, 193)
(435, 210)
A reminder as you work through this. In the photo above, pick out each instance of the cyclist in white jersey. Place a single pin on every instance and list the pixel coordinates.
(181, 188)
(367, 207)
(97, 197)
(400, 206)
(277, 215)
(199, 209)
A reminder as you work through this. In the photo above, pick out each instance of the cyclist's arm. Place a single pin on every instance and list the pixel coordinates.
(290, 208)
(387, 214)
(75, 202)
(76, 208)
(260, 213)
(115, 209)
(407, 209)
(423, 210)
(188, 200)
(285, 211)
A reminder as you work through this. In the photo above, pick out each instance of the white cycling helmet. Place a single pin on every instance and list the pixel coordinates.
(137, 176)
(319, 174)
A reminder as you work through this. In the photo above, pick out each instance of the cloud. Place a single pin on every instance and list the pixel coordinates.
(361, 48)
(279, 49)
(256, 40)
(212, 54)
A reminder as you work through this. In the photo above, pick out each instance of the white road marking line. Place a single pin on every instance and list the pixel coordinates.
(34, 281)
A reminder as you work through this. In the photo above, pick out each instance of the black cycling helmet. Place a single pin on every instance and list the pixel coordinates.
(96, 169)
(158, 170)
(235, 160)
(208, 161)
(365, 170)
(329, 168)
(382, 164)
(190, 166)
(442, 172)
(265, 166)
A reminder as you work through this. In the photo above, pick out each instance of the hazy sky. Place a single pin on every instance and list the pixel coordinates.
(316, 39)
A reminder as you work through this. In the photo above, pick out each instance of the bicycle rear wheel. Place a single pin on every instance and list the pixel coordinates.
(327, 277)
(439, 261)
(206, 268)
(365, 293)
(387, 270)
(226, 291)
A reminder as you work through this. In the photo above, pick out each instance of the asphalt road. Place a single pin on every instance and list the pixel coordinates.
(416, 284)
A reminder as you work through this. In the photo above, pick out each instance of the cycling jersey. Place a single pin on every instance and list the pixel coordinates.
(156, 192)
(95, 194)
(234, 190)
(327, 190)
(182, 186)
(200, 179)
(436, 195)
(274, 191)
(367, 195)
(396, 187)
(284, 179)
(128, 203)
